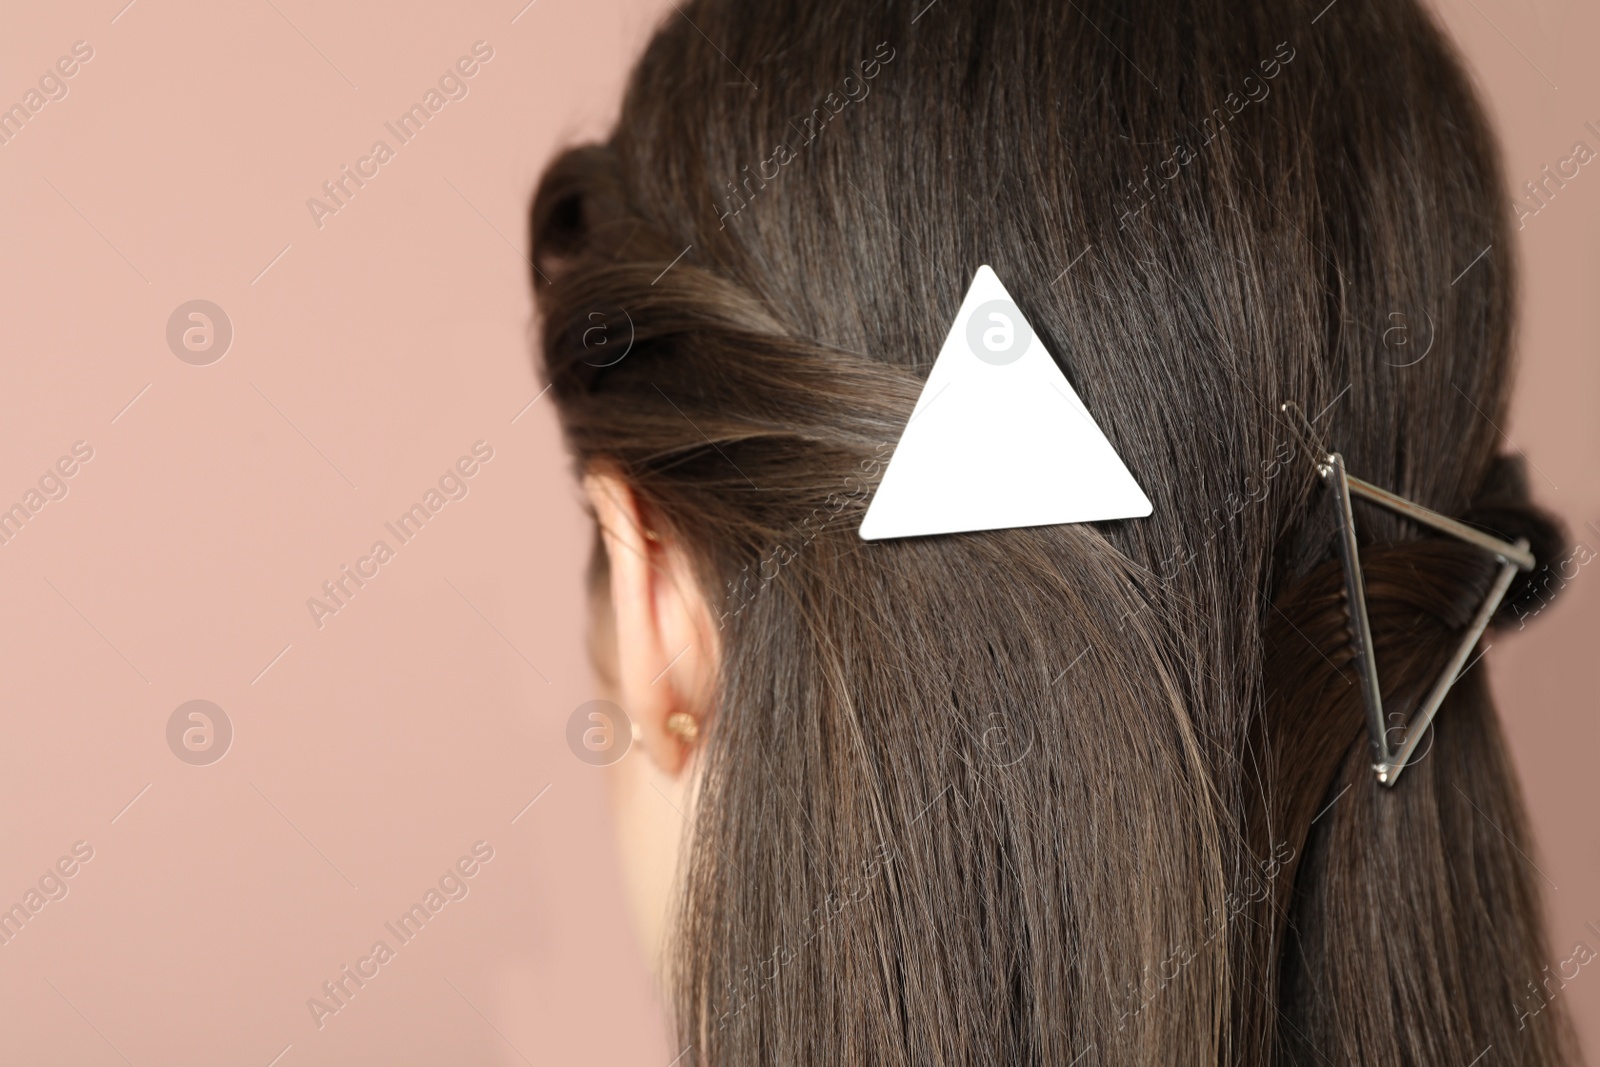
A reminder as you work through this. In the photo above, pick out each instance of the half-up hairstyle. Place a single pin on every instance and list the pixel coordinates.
(1084, 794)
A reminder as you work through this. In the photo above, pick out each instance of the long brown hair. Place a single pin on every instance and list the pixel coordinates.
(1091, 793)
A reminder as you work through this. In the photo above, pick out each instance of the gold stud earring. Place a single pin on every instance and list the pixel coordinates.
(683, 726)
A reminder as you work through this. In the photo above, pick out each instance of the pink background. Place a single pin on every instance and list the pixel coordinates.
(368, 355)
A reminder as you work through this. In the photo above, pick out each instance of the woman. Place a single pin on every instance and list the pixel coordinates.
(1085, 793)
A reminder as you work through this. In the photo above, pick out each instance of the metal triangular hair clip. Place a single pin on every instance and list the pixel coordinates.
(1390, 761)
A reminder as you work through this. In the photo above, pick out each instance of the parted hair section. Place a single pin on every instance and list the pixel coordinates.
(1096, 793)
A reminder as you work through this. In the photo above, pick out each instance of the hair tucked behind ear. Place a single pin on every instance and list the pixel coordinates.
(1091, 793)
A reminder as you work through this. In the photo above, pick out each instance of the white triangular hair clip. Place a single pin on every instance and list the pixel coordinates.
(998, 439)
(1389, 760)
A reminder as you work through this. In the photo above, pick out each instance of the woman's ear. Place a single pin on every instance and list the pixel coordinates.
(665, 644)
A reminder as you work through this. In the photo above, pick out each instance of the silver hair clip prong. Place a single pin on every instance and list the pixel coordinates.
(1390, 761)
